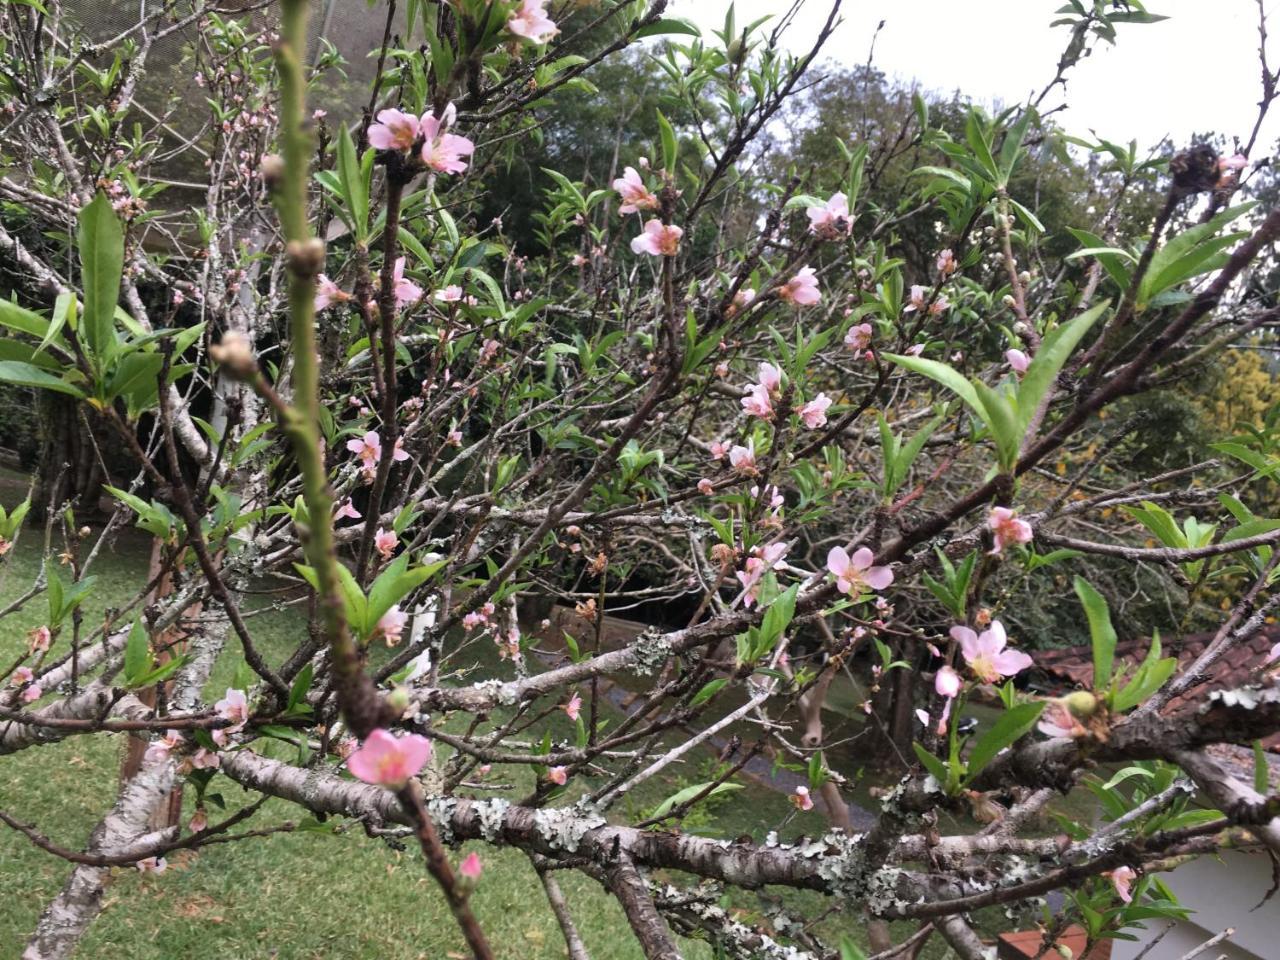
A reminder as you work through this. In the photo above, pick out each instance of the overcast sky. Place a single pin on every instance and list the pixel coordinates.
(1195, 72)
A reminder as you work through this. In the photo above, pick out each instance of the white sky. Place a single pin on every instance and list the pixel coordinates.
(1193, 73)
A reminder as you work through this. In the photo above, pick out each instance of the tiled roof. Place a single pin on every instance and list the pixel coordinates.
(1072, 667)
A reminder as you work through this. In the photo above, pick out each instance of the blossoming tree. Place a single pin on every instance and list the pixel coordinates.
(697, 388)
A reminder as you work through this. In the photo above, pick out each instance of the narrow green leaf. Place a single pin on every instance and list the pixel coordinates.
(29, 375)
(1013, 724)
(101, 241)
(1101, 632)
(137, 653)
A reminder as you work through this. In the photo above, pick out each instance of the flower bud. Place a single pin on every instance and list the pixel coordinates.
(1081, 703)
(398, 700)
(272, 169)
(235, 352)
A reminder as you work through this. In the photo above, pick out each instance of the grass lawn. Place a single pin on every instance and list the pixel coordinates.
(302, 895)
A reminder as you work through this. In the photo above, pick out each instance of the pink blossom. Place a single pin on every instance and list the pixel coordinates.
(390, 761)
(829, 220)
(635, 195)
(477, 617)
(946, 263)
(757, 403)
(946, 682)
(160, 749)
(800, 798)
(204, 759)
(395, 130)
(234, 708)
(814, 413)
(384, 541)
(719, 450)
(489, 350)
(1018, 360)
(1122, 879)
(406, 291)
(508, 645)
(156, 865)
(770, 377)
(31, 693)
(450, 294)
(705, 487)
(1008, 528)
(741, 300)
(917, 299)
(855, 573)
(659, 239)
(750, 578)
(391, 625)
(470, 867)
(20, 676)
(558, 775)
(199, 820)
(443, 152)
(454, 438)
(573, 707)
(743, 459)
(774, 554)
(1058, 722)
(802, 289)
(39, 639)
(347, 511)
(530, 21)
(986, 655)
(369, 449)
(859, 337)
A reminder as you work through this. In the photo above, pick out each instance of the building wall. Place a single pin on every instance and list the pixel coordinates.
(1223, 892)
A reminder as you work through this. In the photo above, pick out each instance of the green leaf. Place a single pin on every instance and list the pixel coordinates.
(352, 184)
(137, 653)
(162, 672)
(667, 25)
(850, 951)
(944, 375)
(976, 135)
(1055, 349)
(1150, 676)
(937, 769)
(298, 691)
(669, 143)
(1012, 146)
(23, 320)
(101, 241)
(29, 375)
(688, 793)
(1101, 632)
(707, 692)
(1013, 724)
(1003, 421)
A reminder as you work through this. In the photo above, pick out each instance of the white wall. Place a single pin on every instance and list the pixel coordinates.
(1222, 892)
